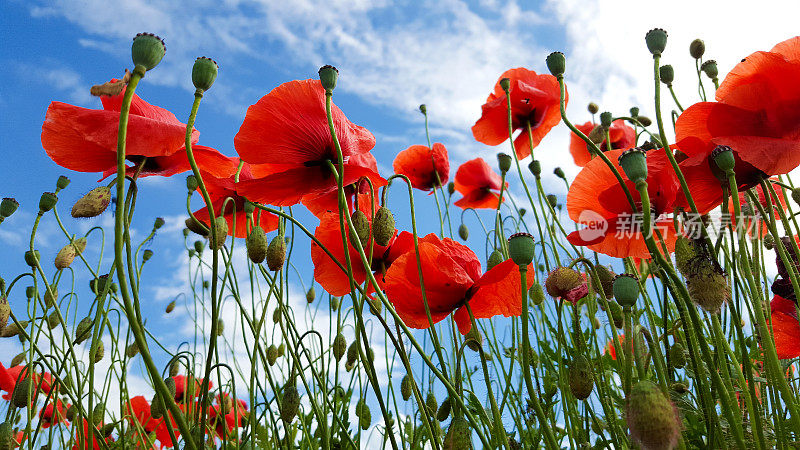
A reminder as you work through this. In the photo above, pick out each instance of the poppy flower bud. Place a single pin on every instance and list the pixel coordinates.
(172, 388)
(82, 331)
(552, 199)
(667, 74)
(708, 288)
(710, 69)
(593, 108)
(521, 248)
(679, 388)
(769, 241)
(503, 162)
(147, 50)
(12, 329)
(170, 307)
(7, 440)
(311, 294)
(32, 257)
(635, 112)
(62, 183)
(556, 64)
(605, 119)
(352, 353)
(522, 212)
(463, 232)
(257, 245)
(361, 225)
(221, 226)
(656, 40)
(375, 306)
(495, 258)
(50, 296)
(204, 72)
(505, 84)
(580, 378)
(474, 339)
(697, 48)
(626, 289)
(723, 158)
(65, 257)
(444, 410)
(132, 350)
(606, 277)
(405, 387)
(536, 168)
(220, 327)
(365, 417)
(290, 402)
(196, 227)
(186, 232)
(272, 354)
(7, 207)
(536, 294)
(47, 202)
(334, 303)
(423, 109)
(155, 408)
(451, 188)
(191, 183)
(5, 312)
(645, 121)
(174, 366)
(99, 352)
(559, 172)
(328, 76)
(19, 396)
(147, 255)
(431, 405)
(276, 315)
(652, 418)
(383, 226)
(459, 435)
(17, 360)
(561, 280)
(339, 346)
(93, 203)
(199, 246)
(677, 355)
(634, 164)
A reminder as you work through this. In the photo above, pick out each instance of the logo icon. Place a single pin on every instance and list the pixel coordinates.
(596, 225)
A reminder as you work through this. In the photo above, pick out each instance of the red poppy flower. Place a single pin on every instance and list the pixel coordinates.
(596, 199)
(182, 385)
(611, 350)
(233, 418)
(95, 443)
(219, 189)
(785, 327)
(757, 114)
(85, 140)
(476, 181)
(534, 99)
(622, 136)
(749, 224)
(452, 276)
(209, 161)
(421, 165)
(11, 376)
(319, 204)
(288, 130)
(52, 415)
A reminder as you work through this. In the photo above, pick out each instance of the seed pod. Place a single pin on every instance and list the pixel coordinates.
(290, 403)
(383, 226)
(99, 352)
(257, 245)
(459, 435)
(83, 330)
(204, 72)
(19, 396)
(405, 387)
(98, 413)
(5, 311)
(652, 418)
(132, 350)
(463, 232)
(581, 382)
(147, 50)
(677, 355)
(93, 203)
(361, 225)
(172, 388)
(276, 253)
(52, 320)
(108, 429)
(444, 410)
(170, 307)
(339, 346)
(221, 227)
(697, 48)
(495, 258)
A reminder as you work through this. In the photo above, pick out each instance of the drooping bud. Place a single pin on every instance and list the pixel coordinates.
(463, 232)
(19, 396)
(339, 346)
(32, 258)
(334, 303)
(521, 248)
(328, 75)
(431, 405)
(616, 314)
(667, 74)
(423, 109)
(365, 417)
(561, 280)
(552, 200)
(170, 307)
(47, 202)
(99, 352)
(204, 72)
(677, 355)
(593, 108)
(311, 294)
(352, 353)
(556, 64)
(18, 359)
(723, 158)
(503, 162)
(559, 172)
(645, 121)
(50, 296)
(220, 327)
(13, 329)
(272, 354)
(652, 418)
(451, 188)
(495, 258)
(93, 203)
(7, 207)
(474, 339)
(634, 164)
(383, 226)
(221, 227)
(405, 387)
(710, 69)
(83, 330)
(147, 50)
(257, 245)
(98, 413)
(626, 289)
(708, 287)
(459, 435)
(147, 255)
(276, 253)
(290, 402)
(536, 168)
(444, 410)
(656, 40)
(7, 441)
(5, 311)
(697, 48)
(580, 377)
(536, 294)
(132, 350)
(606, 277)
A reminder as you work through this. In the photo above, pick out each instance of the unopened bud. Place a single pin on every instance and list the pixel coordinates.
(383, 226)
(667, 74)
(147, 255)
(697, 48)
(93, 203)
(221, 228)
(593, 108)
(495, 258)
(463, 232)
(257, 245)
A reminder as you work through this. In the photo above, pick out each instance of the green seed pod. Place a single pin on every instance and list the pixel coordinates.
(556, 64)
(147, 50)
(365, 418)
(495, 258)
(652, 418)
(272, 354)
(361, 225)
(503, 162)
(656, 40)
(536, 294)
(605, 120)
(444, 410)
(339, 346)
(83, 330)
(93, 203)
(593, 108)
(5, 311)
(132, 350)
(581, 381)
(19, 396)
(99, 352)
(257, 245)
(626, 289)
(521, 248)
(459, 435)
(32, 258)
(204, 72)
(328, 76)
(667, 74)
(634, 164)
(290, 403)
(710, 69)
(677, 355)
(17, 360)
(47, 202)
(221, 226)
(108, 429)
(7, 441)
(559, 172)
(311, 294)
(170, 307)
(276, 253)
(723, 158)
(98, 413)
(172, 388)
(383, 226)
(8, 206)
(451, 188)
(147, 255)
(158, 223)
(616, 314)
(463, 232)
(375, 306)
(405, 387)
(697, 48)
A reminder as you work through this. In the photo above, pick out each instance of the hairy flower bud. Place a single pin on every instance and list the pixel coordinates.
(221, 227)
(290, 402)
(19, 396)
(580, 377)
(5, 311)
(83, 330)
(276, 253)
(536, 294)
(339, 346)
(99, 352)
(677, 355)
(667, 74)
(474, 339)
(32, 258)
(361, 225)
(93, 203)
(697, 48)
(444, 410)
(383, 226)
(593, 108)
(495, 258)
(652, 418)
(463, 232)
(50, 296)
(459, 435)
(257, 245)
(272, 354)
(405, 387)
(561, 280)
(606, 277)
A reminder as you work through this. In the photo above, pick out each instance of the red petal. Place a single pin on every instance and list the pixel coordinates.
(492, 127)
(578, 148)
(421, 164)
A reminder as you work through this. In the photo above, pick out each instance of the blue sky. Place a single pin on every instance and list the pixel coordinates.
(392, 56)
